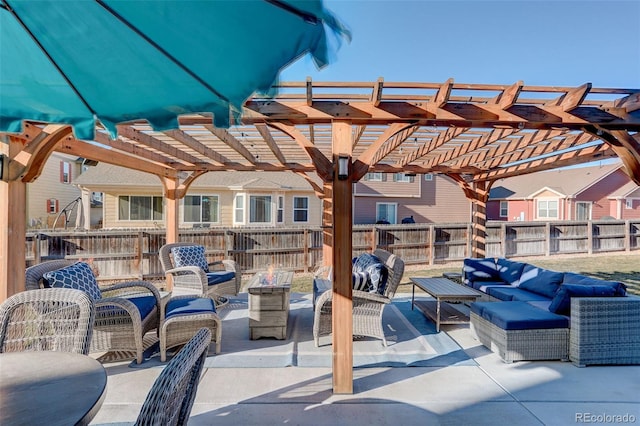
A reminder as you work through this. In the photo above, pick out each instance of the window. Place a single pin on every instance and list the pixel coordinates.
(386, 212)
(547, 209)
(583, 210)
(65, 172)
(52, 205)
(300, 209)
(628, 203)
(260, 209)
(280, 214)
(373, 177)
(238, 209)
(201, 208)
(138, 207)
(428, 176)
(401, 177)
(504, 209)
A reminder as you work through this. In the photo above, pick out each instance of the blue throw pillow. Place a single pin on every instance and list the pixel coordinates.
(375, 269)
(78, 276)
(360, 281)
(509, 271)
(573, 278)
(190, 256)
(480, 269)
(561, 303)
(540, 281)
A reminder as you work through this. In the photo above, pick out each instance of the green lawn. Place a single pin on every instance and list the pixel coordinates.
(624, 268)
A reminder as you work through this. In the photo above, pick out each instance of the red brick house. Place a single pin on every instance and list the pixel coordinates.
(579, 193)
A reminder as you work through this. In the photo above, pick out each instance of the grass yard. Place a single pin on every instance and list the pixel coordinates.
(613, 267)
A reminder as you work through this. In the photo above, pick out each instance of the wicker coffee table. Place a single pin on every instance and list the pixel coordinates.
(443, 291)
(269, 304)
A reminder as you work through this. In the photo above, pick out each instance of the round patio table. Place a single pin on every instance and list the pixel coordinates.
(50, 388)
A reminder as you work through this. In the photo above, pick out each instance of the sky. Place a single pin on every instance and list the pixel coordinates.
(547, 43)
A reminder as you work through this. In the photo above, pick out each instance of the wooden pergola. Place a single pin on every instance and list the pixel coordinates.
(474, 133)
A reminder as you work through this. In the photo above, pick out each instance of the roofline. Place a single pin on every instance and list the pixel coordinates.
(598, 180)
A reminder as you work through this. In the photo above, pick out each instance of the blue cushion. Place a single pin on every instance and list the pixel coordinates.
(189, 306)
(483, 285)
(509, 271)
(78, 276)
(360, 281)
(508, 293)
(145, 304)
(540, 281)
(561, 303)
(572, 278)
(220, 277)
(518, 316)
(375, 269)
(190, 256)
(480, 270)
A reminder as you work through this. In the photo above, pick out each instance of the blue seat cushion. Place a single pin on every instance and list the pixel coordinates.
(192, 305)
(509, 271)
(190, 256)
(507, 293)
(220, 277)
(518, 316)
(561, 303)
(483, 285)
(540, 281)
(572, 278)
(78, 276)
(144, 304)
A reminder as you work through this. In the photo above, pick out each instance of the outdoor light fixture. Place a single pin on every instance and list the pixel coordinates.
(343, 167)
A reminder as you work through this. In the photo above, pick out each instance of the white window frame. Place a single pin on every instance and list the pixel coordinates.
(300, 209)
(401, 177)
(269, 212)
(504, 208)
(200, 220)
(545, 201)
(65, 172)
(153, 199)
(395, 212)
(239, 210)
(588, 203)
(280, 209)
(428, 176)
(52, 206)
(373, 177)
(628, 203)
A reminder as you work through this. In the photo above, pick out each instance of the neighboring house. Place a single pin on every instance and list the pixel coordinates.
(133, 199)
(391, 197)
(54, 190)
(579, 193)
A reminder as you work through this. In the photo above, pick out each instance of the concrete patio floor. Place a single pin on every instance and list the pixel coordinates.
(490, 392)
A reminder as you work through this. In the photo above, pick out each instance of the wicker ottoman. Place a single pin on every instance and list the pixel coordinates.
(183, 317)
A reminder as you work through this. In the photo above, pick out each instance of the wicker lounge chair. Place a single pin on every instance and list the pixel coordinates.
(52, 319)
(194, 279)
(367, 307)
(170, 399)
(118, 324)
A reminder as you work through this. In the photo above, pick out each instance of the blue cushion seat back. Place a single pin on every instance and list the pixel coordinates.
(540, 281)
(192, 305)
(510, 271)
(561, 303)
(507, 293)
(480, 270)
(78, 276)
(572, 278)
(377, 272)
(220, 277)
(190, 256)
(518, 316)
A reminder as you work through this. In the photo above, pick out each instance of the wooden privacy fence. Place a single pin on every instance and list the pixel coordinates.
(133, 254)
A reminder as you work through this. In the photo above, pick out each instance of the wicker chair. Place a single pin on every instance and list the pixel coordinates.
(193, 279)
(118, 324)
(367, 307)
(170, 399)
(52, 319)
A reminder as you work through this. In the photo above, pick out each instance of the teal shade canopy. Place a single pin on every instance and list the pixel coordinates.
(78, 61)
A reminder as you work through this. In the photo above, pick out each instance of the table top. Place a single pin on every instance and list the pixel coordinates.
(443, 287)
(270, 281)
(52, 388)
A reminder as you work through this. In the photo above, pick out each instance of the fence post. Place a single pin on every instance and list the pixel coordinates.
(432, 245)
(305, 248)
(140, 255)
(503, 240)
(547, 243)
(627, 235)
(469, 240)
(589, 237)
(374, 238)
(37, 255)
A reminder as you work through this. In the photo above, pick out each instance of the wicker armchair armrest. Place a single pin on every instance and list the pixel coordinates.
(225, 264)
(117, 304)
(130, 288)
(370, 297)
(185, 270)
(605, 330)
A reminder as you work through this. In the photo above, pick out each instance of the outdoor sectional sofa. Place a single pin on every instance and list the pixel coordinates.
(531, 313)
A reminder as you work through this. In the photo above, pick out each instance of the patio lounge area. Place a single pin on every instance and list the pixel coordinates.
(481, 390)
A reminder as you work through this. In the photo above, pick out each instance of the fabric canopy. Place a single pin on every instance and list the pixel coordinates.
(77, 61)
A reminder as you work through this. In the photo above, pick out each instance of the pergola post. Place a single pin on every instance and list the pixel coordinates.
(479, 220)
(13, 199)
(342, 305)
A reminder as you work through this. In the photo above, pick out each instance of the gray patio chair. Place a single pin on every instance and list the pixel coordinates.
(52, 319)
(367, 307)
(171, 397)
(124, 314)
(220, 278)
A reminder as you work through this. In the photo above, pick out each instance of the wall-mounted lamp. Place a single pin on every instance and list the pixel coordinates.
(343, 167)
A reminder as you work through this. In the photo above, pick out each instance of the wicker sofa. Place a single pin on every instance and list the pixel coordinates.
(530, 313)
